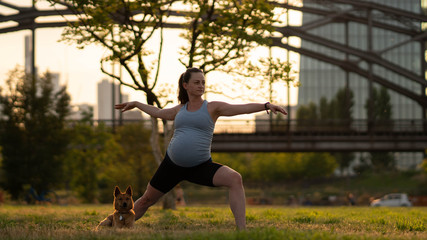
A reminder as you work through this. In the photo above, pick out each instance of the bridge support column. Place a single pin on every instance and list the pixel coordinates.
(370, 78)
(423, 44)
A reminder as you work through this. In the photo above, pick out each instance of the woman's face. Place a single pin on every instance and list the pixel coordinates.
(196, 84)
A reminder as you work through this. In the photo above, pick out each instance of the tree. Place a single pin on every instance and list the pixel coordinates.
(222, 31)
(122, 27)
(97, 160)
(342, 109)
(134, 141)
(381, 109)
(221, 35)
(2, 179)
(87, 115)
(91, 149)
(424, 165)
(381, 121)
(333, 115)
(262, 75)
(306, 116)
(336, 114)
(342, 106)
(33, 131)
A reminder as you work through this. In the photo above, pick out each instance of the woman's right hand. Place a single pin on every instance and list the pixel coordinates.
(125, 106)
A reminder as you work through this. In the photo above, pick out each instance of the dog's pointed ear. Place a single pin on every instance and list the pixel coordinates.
(116, 191)
(129, 190)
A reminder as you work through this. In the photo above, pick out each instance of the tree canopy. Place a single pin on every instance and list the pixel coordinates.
(33, 131)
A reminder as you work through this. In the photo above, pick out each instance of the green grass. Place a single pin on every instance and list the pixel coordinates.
(201, 222)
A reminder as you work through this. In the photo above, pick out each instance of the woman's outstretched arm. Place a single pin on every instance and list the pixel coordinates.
(167, 113)
(226, 109)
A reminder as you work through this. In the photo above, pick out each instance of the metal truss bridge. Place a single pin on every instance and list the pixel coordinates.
(319, 136)
(410, 135)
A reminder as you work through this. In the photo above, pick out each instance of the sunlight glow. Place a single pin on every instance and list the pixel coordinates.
(80, 69)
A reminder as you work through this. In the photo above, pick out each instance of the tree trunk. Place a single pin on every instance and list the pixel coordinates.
(154, 141)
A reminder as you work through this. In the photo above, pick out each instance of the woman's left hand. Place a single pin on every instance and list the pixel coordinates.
(275, 109)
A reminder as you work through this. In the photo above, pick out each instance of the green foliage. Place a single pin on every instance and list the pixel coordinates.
(270, 167)
(91, 151)
(342, 105)
(379, 105)
(329, 115)
(218, 32)
(222, 31)
(136, 163)
(335, 114)
(306, 116)
(225, 32)
(98, 160)
(260, 75)
(343, 159)
(424, 165)
(2, 178)
(379, 109)
(382, 161)
(87, 115)
(33, 131)
(341, 108)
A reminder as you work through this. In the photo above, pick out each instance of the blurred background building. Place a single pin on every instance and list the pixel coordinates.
(109, 94)
(78, 111)
(104, 110)
(320, 79)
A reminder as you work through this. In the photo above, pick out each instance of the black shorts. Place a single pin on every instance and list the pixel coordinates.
(168, 175)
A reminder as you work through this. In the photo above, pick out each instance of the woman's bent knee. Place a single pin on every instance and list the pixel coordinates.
(234, 179)
(227, 177)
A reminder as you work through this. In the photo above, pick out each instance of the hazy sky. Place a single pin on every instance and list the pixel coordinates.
(80, 69)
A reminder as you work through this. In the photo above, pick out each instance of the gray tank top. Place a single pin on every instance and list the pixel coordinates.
(192, 138)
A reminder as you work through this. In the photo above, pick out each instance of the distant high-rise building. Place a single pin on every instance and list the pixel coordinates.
(105, 100)
(55, 81)
(29, 64)
(28, 54)
(106, 104)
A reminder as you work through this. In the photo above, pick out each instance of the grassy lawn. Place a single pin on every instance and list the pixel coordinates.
(202, 222)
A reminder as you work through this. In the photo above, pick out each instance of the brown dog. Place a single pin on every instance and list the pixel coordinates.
(123, 216)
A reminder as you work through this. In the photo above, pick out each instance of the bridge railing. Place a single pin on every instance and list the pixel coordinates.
(321, 126)
(331, 126)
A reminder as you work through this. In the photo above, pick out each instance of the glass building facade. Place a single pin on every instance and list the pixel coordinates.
(320, 79)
